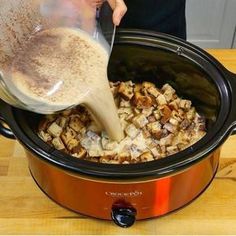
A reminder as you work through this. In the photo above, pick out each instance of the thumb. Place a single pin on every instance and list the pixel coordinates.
(119, 11)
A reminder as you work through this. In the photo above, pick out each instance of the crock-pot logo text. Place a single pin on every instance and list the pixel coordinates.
(124, 194)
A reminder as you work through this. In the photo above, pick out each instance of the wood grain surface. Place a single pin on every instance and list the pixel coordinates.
(24, 209)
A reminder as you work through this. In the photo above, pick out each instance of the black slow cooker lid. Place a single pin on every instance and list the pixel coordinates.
(133, 50)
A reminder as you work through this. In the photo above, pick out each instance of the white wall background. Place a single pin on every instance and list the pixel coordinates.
(211, 23)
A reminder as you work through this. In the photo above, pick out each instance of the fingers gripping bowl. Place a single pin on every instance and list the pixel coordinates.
(140, 190)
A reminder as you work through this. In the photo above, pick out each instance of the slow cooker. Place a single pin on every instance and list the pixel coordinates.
(125, 193)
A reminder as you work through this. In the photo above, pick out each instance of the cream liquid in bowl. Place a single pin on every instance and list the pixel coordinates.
(64, 67)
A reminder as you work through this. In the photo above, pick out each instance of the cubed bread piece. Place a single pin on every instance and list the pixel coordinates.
(129, 117)
(58, 144)
(185, 104)
(148, 111)
(166, 141)
(154, 91)
(137, 88)
(163, 150)
(85, 117)
(182, 146)
(130, 83)
(161, 100)
(55, 130)
(137, 111)
(172, 150)
(114, 88)
(66, 113)
(62, 121)
(146, 86)
(140, 121)
(80, 152)
(86, 143)
(124, 156)
(174, 105)
(185, 124)
(135, 152)
(174, 121)
(44, 124)
(201, 127)
(94, 151)
(51, 117)
(114, 84)
(79, 136)
(157, 114)
(146, 156)
(124, 103)
(167, 87)
(178, 139)
(124, 124)
(155, 152)
(126, 162)
(132, 131)
(72, 143)
(168, 96)
(108, 144)
(125, 110)
(177, 116)
(46, 137)
(146, 133)
(197, 136)
(150, 143)
(93, 136)
(83, 131)
(125, 91)
(168, 92)
(75, 123)
(151, 119)
(154, 126)
(158, 134)
(171, 128)
(182, 138)
(155, 129)
(105, 159)
(166, 114)
(68, 134)
(191, 114)
(200, 122)
(141, 101)
(112, 161)
(112, 153)
(123, 117)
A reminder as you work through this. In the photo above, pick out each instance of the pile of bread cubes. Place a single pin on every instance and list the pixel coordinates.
(156, 122)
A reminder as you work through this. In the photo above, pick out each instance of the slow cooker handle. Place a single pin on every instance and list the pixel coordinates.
(6, 132)
(232, 80)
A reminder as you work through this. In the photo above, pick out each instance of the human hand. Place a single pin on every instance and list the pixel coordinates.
(119, 10)
(85, 9)
(118, 7)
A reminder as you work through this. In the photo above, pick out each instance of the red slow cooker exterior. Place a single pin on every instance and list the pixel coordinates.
(147, 197)
(136, 191)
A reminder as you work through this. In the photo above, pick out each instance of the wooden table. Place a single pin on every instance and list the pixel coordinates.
(24, 209)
